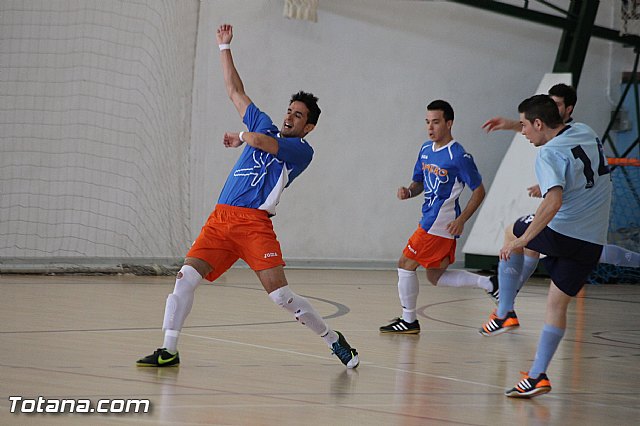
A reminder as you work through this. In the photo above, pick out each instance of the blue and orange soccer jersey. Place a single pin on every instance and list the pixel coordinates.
(258, 178)
(444, 172)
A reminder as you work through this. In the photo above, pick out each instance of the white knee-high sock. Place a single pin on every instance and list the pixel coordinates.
(408, 289)
(459, 278)
(179, 305)
(303, 312)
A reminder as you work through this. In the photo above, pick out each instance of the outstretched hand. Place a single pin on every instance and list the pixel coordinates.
(403, 193)
(231, 140)
(534, 191)
(500, 123)
(224, 34)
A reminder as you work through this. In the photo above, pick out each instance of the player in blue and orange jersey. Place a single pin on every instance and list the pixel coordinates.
(240, 226)
(441, 172)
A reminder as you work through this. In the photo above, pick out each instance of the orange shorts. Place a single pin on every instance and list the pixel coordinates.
(430, 250)
(233, 233)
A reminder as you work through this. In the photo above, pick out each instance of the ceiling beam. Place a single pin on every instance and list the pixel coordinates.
(551, 20)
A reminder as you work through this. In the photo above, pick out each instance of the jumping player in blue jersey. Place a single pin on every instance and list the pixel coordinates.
(569, 226)
(441, 172)
(240, 226)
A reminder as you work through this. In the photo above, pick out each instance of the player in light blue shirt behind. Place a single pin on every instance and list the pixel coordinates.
(569, 226)
(565, 98)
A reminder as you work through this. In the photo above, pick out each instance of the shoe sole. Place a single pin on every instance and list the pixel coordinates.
(530, 394)
(357, 362)
(156, 365)
(400, 332)
(497, 332)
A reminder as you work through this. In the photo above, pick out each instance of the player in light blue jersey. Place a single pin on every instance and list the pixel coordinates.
(441, 172)
(240, 226)
(565, 98)
(569, 226)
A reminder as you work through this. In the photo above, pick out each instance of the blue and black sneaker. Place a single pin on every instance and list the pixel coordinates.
(347, 355)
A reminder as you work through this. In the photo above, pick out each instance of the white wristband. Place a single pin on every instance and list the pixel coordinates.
(240, 136)
(410, 194)
(224, 46)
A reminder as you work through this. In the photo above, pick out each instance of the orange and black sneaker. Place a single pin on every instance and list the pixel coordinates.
(528, 387)
(497, 325)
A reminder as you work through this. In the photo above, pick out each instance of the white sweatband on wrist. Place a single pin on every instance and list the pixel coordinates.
(410, 194)
(224, 46)
(240, 136)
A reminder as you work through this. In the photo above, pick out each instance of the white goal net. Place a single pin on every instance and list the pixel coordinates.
(630, 17)
(95, 113)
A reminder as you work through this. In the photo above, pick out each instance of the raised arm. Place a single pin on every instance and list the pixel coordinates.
(232, 81)
(501, 123)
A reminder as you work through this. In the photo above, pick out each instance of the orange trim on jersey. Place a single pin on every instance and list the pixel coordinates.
(233, 233)
(430, 250)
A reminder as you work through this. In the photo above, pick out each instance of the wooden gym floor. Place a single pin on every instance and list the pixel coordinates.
(246, 362)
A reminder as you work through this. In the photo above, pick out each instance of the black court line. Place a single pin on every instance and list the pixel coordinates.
(596, 334)
(341, 310)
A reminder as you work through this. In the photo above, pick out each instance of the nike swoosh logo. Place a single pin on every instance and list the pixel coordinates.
(162, 361)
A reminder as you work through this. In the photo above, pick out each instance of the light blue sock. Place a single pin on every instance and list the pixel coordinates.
(528, 268)
(509, 272)
(549, 340)
(619, 256)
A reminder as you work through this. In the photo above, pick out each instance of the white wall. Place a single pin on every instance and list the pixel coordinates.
(375, 65)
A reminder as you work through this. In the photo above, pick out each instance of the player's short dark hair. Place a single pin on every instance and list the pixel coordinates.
(565, 92)
(311, 103)
(543, 108)
(444, 106)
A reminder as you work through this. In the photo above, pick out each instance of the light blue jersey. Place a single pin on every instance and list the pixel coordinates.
(444, 172)
(574, 160)
(258, 178)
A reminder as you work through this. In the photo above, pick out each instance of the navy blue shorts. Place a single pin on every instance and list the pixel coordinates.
(569, 260)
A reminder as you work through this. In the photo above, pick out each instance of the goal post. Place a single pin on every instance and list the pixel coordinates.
(95, 128)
